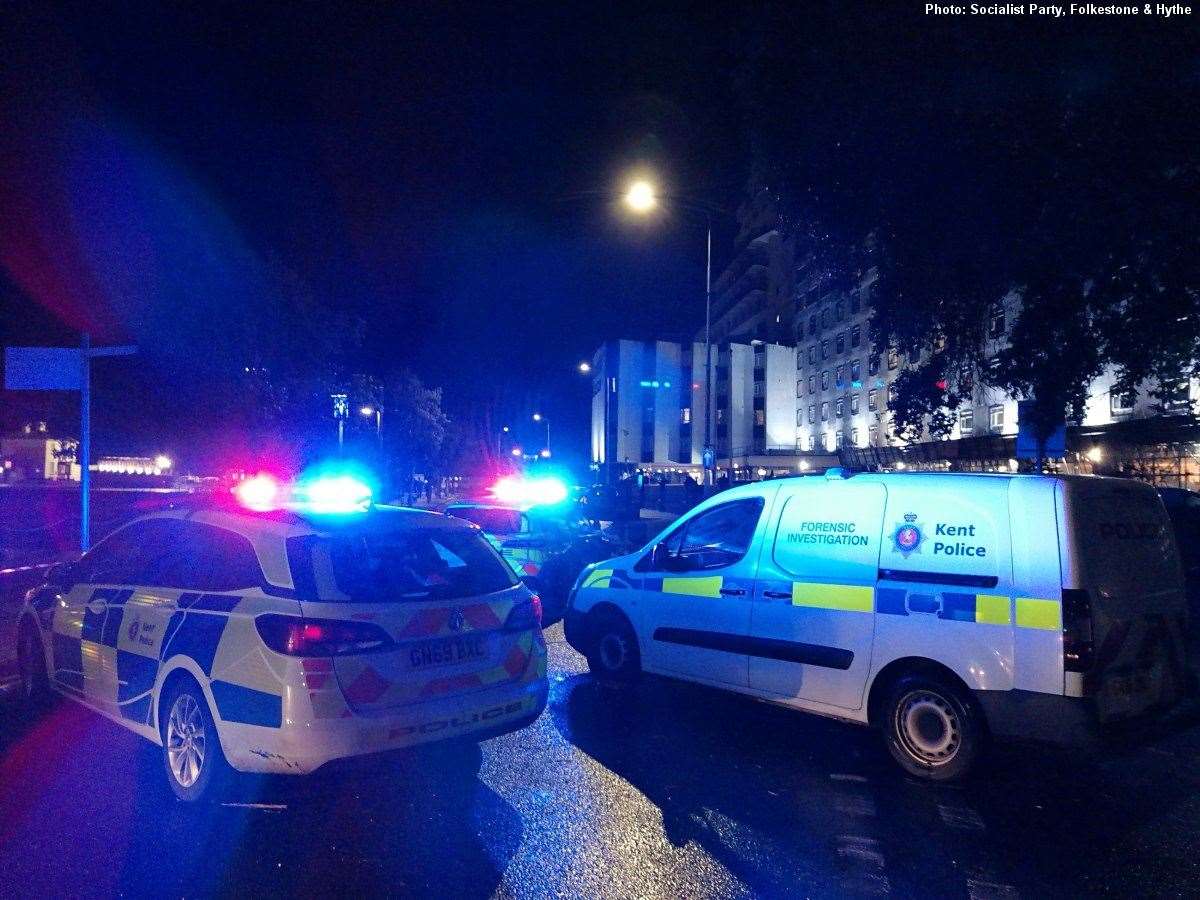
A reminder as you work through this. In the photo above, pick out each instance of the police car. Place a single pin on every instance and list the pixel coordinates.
(545, 550)
(284, 636)
(940, 608)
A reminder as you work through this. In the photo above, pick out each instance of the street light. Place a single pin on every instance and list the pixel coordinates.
(641, 197)
(377, 412)
(516, 451)
(538, 417)
(585, 367)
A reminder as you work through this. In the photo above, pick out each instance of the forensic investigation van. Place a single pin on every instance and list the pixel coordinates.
(941, 608)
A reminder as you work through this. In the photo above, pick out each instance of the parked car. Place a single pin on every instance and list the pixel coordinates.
(546, 548)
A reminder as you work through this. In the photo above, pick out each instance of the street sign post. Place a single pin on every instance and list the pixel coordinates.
(64, 369)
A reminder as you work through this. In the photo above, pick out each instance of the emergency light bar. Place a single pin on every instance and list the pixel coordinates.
(326, 494)
(527, 492)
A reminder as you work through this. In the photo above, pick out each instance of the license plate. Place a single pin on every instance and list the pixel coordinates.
(447, 651)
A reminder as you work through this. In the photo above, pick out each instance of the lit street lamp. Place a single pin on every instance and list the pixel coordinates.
(377, 412)
(538, 417)
(585, 367)
(641, 197)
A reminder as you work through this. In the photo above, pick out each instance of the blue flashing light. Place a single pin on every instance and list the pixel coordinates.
(856, 383)
(332, 494)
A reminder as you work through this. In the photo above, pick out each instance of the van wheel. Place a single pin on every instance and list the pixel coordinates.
(191, 750)
(31, 657)
(932, 729)
(613, 655)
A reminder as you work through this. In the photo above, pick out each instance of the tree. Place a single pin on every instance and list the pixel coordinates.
(983, 168)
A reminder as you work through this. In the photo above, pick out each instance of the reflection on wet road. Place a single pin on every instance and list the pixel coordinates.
(663, 791)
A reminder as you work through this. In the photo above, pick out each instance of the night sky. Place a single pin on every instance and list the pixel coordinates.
(445, 172)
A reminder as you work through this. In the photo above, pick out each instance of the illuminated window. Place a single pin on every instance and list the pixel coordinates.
(812, 413)
(856, 371)
(854, 406)
(873, 435)
(854, 437)
(825, 380)
(760, 417)
(966, 421)
(685, 415)
(841, 376)
(799, 417)
(855, 336)
(872, 400)
(841, 343)
(996, 417)
(1121, 403)
(825, 411)
(839, 408)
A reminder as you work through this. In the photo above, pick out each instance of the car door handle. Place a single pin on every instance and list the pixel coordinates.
(778, 595)
(733, 592)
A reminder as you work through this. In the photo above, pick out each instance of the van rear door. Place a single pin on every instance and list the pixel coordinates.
(1121, 565)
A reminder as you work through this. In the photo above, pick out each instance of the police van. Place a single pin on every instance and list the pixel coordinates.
(278, 639)
(941, 608)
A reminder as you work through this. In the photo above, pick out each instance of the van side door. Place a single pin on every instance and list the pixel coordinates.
(813, 619)
(696, 588)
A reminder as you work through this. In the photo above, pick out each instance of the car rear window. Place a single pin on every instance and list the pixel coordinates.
(408, 565)
(493, 521)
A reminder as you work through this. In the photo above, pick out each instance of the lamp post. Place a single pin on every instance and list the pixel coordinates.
(538, 417)
(500, 440)
(642, 198)
(377, 412)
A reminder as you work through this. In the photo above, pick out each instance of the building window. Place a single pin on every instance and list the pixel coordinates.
(799, 387)
(854, 406)
(839, 408)
(828, 440)
(758, 389)
(855, 336)
(685, 415)
(841, 376)
(891, 393)
(966, 421)
(856, 371)
(996, 417)
(720, 414)
(996, 326)
(992, 366)
(841, 343)
(825, 411)
(837, 441)
(824, 349)
(812, 413)
(873, 435)
(841, 310)
(873, 364)
(872, 400)
(893, 360)
(825, 380)
(799, 417)
(760, 417)
(1121, 403)
(812, 384)
(812, 354)
(854, 437)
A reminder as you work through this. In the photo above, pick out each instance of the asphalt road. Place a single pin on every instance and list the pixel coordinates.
(667, 790)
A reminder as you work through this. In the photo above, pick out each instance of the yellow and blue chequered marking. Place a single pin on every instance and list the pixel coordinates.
(955, 606)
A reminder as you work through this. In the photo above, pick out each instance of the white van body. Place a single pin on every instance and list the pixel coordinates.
(849, 581)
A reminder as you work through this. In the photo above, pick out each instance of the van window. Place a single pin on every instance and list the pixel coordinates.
(831, 532)
(719, 536)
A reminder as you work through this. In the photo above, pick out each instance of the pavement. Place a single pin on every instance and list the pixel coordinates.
(663, 790)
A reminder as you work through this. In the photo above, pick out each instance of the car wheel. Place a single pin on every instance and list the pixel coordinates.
(933, 728)
(613, 655)
(191, 750)
(31, 657)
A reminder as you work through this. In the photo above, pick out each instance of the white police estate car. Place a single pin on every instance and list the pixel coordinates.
(938, 607)
(277, 641)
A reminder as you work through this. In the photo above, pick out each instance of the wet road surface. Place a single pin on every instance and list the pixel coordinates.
(666, 790)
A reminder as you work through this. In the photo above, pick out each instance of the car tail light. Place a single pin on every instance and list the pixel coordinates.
(294, 636)
(525, 615)
(1078, 638)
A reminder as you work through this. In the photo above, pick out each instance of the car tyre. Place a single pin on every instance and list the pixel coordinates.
(31, 658)
(933, 728)
(192, 758)
(613, 655)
